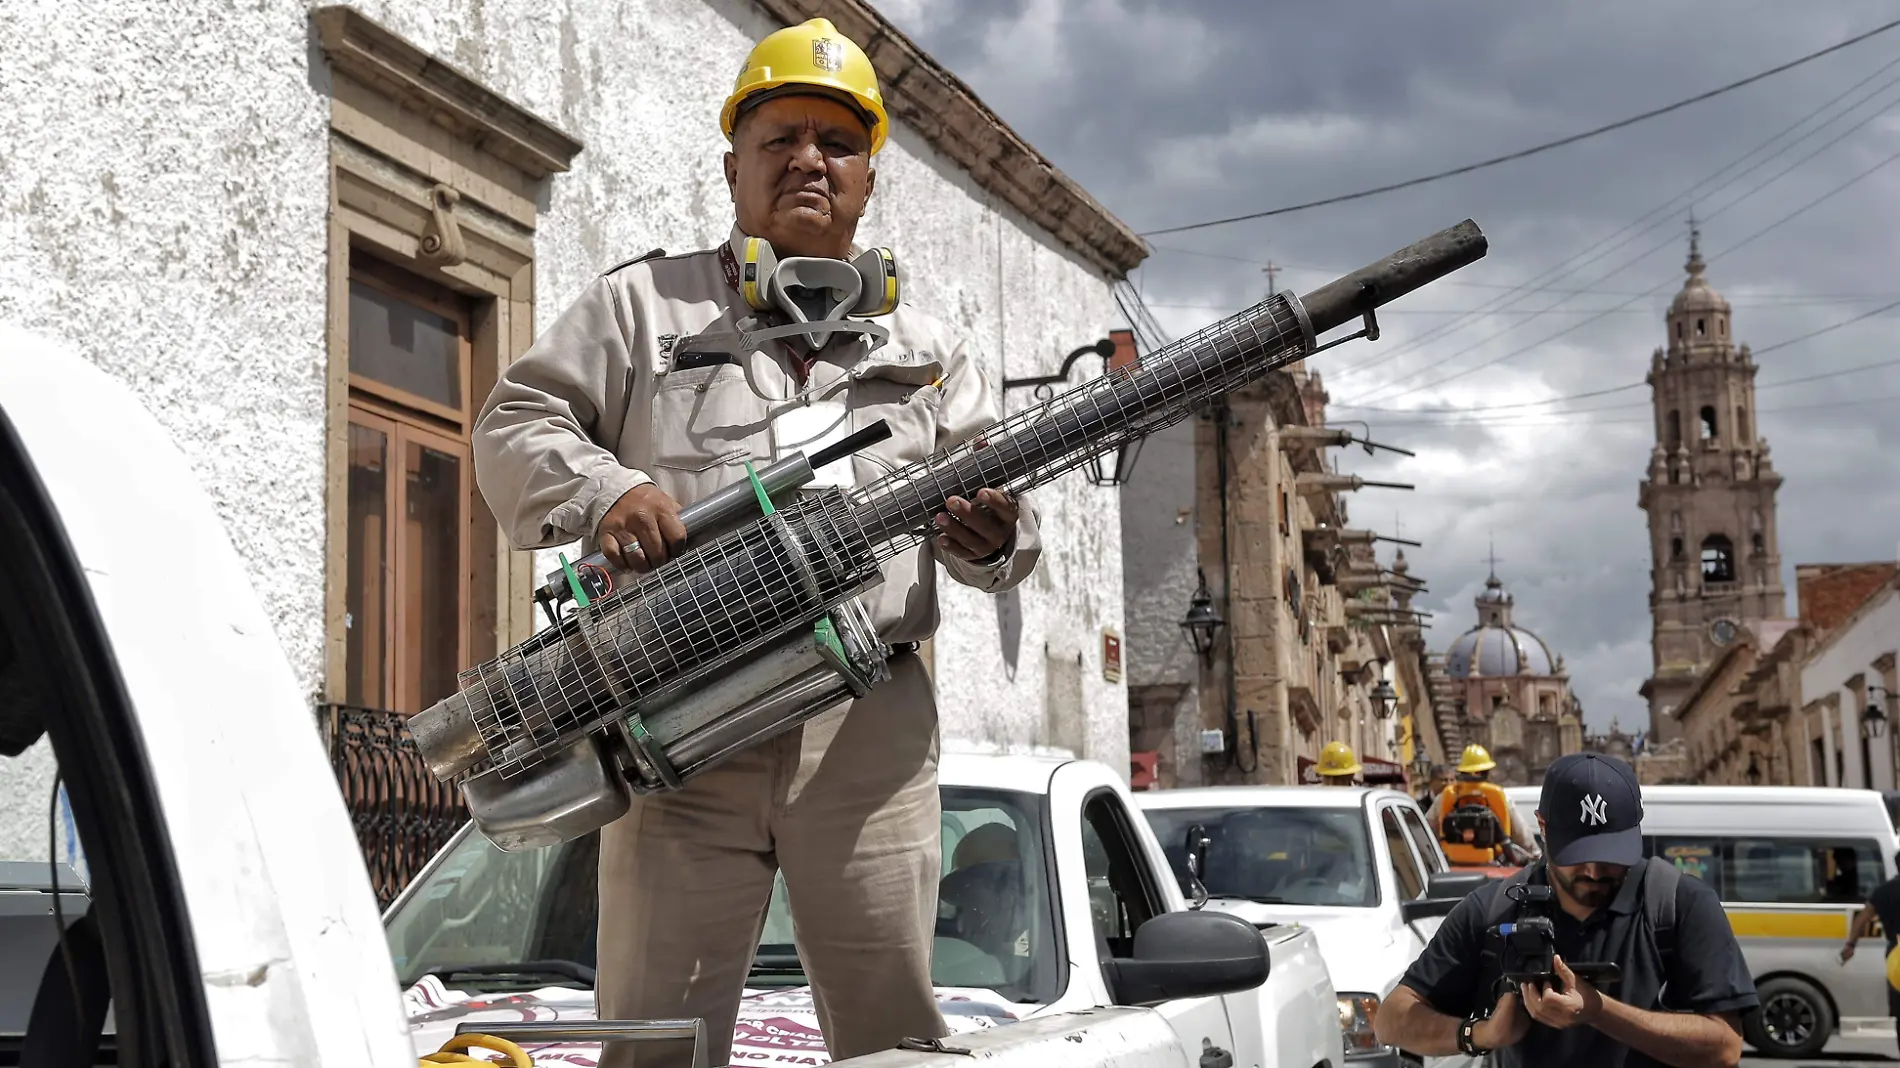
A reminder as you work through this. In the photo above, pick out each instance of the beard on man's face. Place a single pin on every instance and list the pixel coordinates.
(1591, 885)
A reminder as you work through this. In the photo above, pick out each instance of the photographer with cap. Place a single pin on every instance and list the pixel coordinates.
(640, 398)
(1640, 966)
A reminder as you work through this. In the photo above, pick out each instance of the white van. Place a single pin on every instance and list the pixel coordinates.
(1792, 864)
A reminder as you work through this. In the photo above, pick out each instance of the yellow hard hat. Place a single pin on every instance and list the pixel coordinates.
(1475, 760)
(812, 53)
(1893, 967)
(1337, 759)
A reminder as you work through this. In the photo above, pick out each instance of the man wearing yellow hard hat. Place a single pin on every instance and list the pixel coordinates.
(1471, 791)
(1338, 765)
(650, 391)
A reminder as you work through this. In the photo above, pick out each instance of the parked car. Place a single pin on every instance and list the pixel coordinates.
(1792, 865)
(1358, 866)
(1053, 847)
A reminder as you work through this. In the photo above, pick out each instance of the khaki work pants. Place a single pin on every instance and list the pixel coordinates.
(847, 806)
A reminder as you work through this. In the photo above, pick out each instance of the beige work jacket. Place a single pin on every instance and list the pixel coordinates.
(591, 411)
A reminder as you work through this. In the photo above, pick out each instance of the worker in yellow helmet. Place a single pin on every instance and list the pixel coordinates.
(1338, 765)
(640, 398)
(1473, 816)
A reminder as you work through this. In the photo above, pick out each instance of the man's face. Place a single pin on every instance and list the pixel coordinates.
(1440, 781)
(1590, 885)
(800, 174)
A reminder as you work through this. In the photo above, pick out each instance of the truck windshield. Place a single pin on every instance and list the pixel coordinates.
(1279, 856)
(488, 920)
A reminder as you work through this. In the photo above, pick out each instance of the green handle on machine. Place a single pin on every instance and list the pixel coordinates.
(573, 582)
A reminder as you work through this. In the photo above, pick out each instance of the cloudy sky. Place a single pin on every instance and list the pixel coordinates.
(1173, 112)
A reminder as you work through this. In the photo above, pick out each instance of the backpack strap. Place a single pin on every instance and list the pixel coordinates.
(1661, 879)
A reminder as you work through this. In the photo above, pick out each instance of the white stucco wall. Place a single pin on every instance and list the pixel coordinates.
(162, 206)
(1852, 651)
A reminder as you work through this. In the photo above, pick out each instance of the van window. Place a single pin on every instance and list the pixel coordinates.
(1788, 871)
(1802, 871)
(1700, 857)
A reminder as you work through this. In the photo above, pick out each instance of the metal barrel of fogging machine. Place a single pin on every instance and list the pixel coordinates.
(657, 743)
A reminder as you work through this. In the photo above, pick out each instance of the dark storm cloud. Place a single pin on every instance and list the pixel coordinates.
(1171, 113)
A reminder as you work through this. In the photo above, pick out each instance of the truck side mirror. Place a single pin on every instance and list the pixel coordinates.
(1443, 891)
(1188, 955)
(1197, 845)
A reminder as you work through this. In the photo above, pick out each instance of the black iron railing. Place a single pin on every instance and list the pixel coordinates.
(403, 815)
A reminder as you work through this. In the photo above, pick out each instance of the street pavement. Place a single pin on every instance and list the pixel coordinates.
(1842, 1053)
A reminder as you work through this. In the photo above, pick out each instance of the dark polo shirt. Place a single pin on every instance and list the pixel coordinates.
(1885, 901)
(1707, 974)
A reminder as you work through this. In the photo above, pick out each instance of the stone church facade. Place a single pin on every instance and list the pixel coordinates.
(1500, 686)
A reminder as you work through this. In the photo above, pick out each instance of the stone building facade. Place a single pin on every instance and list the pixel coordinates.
(1313, 622)
(1848, 680)
(1709, 494)
(1788, 703)
(1499, 685)
(1725, 738)
(224, 212)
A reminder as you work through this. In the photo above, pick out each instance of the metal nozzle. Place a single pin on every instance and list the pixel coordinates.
(447, 737)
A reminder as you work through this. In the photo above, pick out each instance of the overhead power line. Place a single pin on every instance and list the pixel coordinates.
(1545, 281)
(1535, 420)
(1782, 344)
(1535, 149)
(1653, 289)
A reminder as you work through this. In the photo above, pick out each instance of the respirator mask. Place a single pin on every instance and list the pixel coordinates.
(817, 292)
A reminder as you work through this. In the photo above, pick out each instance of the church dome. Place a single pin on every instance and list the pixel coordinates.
(1497, 647)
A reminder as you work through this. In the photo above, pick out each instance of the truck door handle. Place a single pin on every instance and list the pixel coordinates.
(1213, 1056)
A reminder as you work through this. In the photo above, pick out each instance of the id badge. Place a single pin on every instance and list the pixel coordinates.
(810, 427)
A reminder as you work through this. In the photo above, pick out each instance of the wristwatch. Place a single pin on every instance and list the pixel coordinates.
(1466, 1044)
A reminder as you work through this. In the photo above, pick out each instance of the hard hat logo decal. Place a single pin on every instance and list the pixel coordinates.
(827, 54)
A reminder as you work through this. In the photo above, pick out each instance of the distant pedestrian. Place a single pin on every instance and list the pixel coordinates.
(1883, 904)
(1338, 765)
(1442, 778)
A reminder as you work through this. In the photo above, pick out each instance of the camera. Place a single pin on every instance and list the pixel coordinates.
(1530, 944)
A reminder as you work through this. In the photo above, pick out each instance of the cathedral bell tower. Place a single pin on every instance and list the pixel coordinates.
(1710, 496)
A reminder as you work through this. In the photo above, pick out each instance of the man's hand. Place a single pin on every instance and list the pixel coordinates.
(1506, 1026)
(642, 528)
(1576, 1003)
(1847, 952)
(972, 531)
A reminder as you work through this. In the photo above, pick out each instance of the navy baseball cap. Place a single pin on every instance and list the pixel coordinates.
(1593, 811)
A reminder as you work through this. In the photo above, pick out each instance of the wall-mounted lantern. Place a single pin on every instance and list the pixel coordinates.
(1202, 622)
(1385, 700)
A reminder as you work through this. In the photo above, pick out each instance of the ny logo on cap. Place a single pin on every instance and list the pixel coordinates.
(1595, 810)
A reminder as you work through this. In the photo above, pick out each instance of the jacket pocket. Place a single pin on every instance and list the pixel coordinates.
(706, 417)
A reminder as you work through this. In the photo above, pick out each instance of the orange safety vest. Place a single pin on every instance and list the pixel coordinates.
(1491, 795)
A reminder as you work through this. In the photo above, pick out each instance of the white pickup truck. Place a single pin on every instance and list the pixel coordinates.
(1355, 864)
(1050, 881)
(229, 914)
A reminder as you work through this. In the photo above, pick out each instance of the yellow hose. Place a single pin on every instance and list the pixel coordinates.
(449, 1053)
